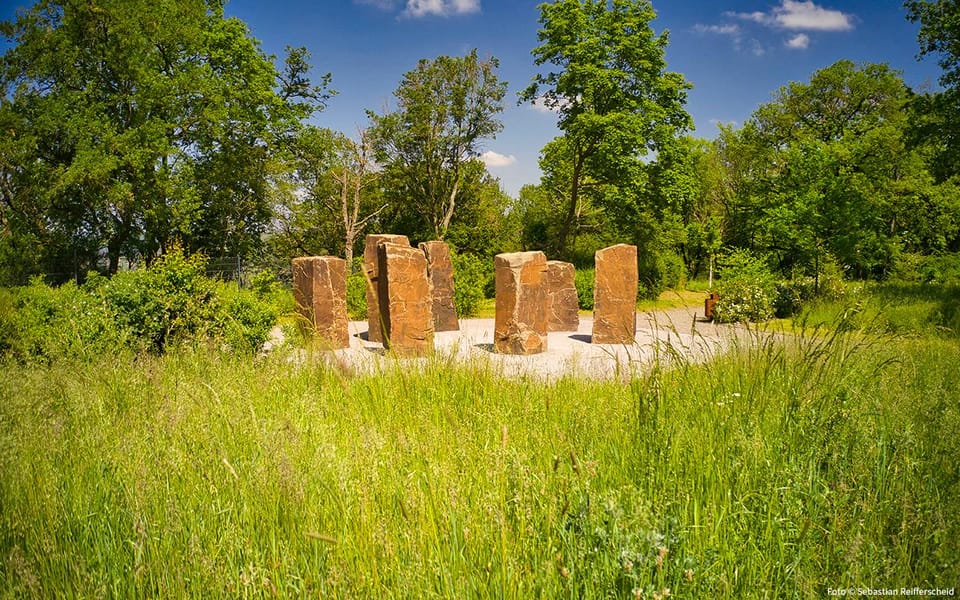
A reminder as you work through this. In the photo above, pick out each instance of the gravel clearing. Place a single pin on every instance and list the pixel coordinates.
(675, 334)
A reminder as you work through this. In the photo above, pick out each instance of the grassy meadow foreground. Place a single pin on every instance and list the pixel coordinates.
(778, 470)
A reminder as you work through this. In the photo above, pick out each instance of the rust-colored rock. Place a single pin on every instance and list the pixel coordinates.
(406, 300)
(615, 295)
(520, 326)
(561, 297)
(320, 290)
(440, 271)
(371, 267)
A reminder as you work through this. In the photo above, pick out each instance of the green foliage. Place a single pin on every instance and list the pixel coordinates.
(583, 280)
(616, 103)
(747, 289)
(937, 269)
(39, 323)
(140, 123)
(169, 302)
(472, 275)
(357, 291)
(445, 108)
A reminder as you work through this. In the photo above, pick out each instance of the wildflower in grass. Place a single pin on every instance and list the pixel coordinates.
(661, 554)
(688, 575)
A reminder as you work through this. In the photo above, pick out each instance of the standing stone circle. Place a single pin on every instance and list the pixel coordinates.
(615, 295)
(440, 271)
(371, 267)
(320, 291)
(406, 300)
(520, 326)
(562, 304)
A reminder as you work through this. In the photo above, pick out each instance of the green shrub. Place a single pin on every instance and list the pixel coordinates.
(243, 318)
(746, 287)
(471, 274)
(659, 271)
(39, 323)
(583, 281)
(357, 291)
(172, 300)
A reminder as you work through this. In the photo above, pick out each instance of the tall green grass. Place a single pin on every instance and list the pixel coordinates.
(776, 471)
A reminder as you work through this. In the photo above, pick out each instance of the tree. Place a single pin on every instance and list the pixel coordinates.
(938, 114)
(333, 194)
(825, 171)
(615, 100)
(446, 107)
(131, 124)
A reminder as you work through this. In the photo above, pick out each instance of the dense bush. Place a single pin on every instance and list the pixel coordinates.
(746, 287)
(357, 291)
(583, 281)
(172, 301)
(39, 323)
(939, 269)
(471, 275)
(659, 271)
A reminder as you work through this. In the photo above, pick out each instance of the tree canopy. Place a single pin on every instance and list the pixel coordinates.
(131, 124)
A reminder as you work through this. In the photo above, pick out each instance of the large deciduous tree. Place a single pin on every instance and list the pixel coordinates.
(128, 124)
(616, 102)
(445, 108)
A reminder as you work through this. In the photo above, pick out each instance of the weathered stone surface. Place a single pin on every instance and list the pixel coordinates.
(371, 266)
(320, 290)
(406, 300)
(440, 271)
(520, 326)
(561, 293)
(615, 295)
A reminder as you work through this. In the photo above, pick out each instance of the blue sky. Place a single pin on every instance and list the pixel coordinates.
(735, 52)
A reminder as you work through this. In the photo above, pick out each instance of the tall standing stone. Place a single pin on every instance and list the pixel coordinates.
(406, 300)
(562, 304)
(320, 291)
(615, 295)
(371, 266)
(520, 326)
(440, 271)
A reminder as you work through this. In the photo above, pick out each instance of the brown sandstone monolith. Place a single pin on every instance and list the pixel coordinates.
(520, 326)
(371, 267)
(440, 271)
(320, 291)
(562, 305)
(406, 300)
(615, 295)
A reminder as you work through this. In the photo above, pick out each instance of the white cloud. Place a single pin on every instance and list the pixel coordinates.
(800, 15)
(442, 8)
(730, 29)
(494, 159)
(801, 41)
(381, 4)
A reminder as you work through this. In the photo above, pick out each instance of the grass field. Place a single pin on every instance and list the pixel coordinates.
(776, 471)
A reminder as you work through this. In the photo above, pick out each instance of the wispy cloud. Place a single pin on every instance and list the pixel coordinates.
(801, 41)
(442, 8)
(730, 29)
(495, 159)
(800, 15)
(381, 4)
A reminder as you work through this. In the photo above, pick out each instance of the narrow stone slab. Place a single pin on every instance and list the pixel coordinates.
(440, 271)
(615, 295)
(562, 304)
(406, 300)
(371, 267)
(520, 326)
(320, 291)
